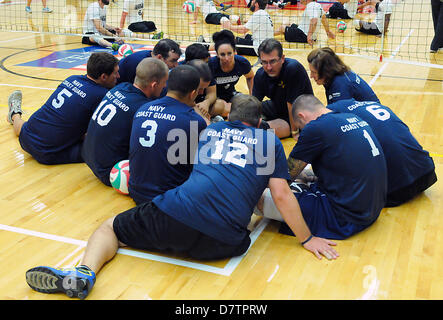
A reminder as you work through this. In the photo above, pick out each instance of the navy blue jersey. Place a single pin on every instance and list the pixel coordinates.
(109, 130)
(226, 81)
(292, 81)
(232, 168)
(349, 163)
(128, 65)
(349, 86)
(163, 141)
(63, 120)
(405, 158)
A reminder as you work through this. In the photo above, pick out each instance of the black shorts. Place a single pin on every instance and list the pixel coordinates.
(214, 18)
(294, 34)
(146, 227)
(338, 11)
(405, 194)
(87, 40)
(246, 41)
(142, 26)
(271, 112)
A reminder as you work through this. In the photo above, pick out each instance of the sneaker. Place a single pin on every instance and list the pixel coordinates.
(282, 5)
(217, 119)
(46, 10)
(28, 9)
(74, 282)
(224, 7)
(158, 35)
(14, 104)
(201, 39)
(115, 46)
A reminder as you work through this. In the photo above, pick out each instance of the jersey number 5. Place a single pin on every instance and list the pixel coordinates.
(58, 102)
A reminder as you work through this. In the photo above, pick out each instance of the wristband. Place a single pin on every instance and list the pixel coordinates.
(309, 238)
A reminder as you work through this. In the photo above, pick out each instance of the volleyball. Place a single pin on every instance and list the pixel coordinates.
(341, 26)
(125, 50)
(119, 176)
(189, 6)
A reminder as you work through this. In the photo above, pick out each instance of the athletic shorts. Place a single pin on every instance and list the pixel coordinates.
(72, 154)
(146, 227)
(246, 41)
(294, 34)
(369, 28)
(87, 40)
(405, 194)
(317, 213)
(214, 18)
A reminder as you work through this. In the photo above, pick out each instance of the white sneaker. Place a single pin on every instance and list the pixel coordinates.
(46, 10)
(14, 104)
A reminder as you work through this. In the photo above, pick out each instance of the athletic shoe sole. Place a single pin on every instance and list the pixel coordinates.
(45, 280)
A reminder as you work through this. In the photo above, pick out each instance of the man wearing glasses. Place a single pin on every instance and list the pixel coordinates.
(282, 80)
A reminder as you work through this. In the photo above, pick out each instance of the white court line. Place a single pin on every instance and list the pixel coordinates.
(15, 39)
(22, 86)
(68, 257)
(226, 271)
(383, 67)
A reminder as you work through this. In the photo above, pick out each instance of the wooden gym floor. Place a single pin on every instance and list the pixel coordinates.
(48, 212)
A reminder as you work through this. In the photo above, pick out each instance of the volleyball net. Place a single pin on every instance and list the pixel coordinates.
(408, 37)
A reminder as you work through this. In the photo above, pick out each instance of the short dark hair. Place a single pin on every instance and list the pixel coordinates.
(202, 68)
(327, 64)
(164, 46)
(150, 70)
(183, 79)
(223, 37)
(245, 108)
(305, 102)
(269, 45)
(262, 4)
(196, 51)
(100, 63)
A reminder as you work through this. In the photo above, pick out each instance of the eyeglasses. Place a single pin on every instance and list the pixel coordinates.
(270, 62)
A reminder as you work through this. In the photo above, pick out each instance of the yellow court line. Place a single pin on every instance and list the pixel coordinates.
(436, 155)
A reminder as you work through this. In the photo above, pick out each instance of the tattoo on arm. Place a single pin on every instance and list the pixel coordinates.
(295, 167)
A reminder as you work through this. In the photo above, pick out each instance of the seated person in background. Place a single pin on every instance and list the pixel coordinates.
(94, 24)
(410, 168)
(166, 50)
(189, 220)
(380, 25)
(210, 12)
(281, 80)
(343, 9)
(339, 80)
(109, 130)
(164, 137)
(259, 24)
(307, 30)
(137, 27)
(54, 133)
(227, 68)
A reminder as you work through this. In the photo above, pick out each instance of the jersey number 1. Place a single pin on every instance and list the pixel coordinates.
(374, 149)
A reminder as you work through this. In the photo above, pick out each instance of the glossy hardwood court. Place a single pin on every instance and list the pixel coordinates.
(48, 212)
